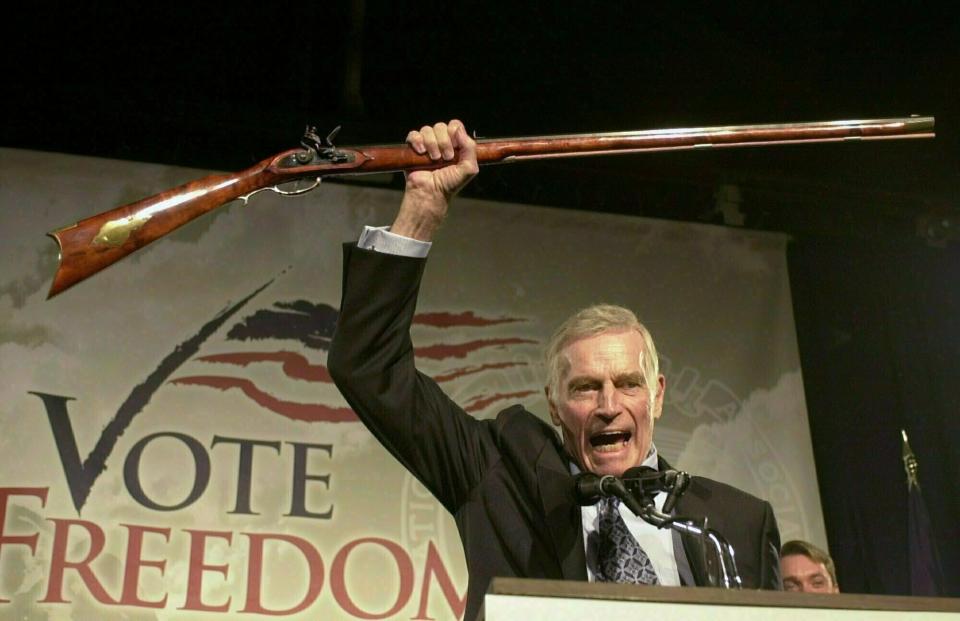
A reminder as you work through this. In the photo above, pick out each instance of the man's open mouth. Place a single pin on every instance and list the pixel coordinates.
(610, 440)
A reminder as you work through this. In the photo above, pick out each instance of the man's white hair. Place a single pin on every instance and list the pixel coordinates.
(592, 321)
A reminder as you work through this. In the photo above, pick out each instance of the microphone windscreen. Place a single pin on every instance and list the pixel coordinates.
(643, 481)
(588, 489)
(640, 472)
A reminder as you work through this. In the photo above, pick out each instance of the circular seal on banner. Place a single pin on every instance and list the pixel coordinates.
(725, 426)
(424, 520)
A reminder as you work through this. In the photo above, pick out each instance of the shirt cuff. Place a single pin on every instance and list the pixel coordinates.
(380, 239)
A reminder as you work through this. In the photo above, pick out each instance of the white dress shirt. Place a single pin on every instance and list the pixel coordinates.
(380, 238)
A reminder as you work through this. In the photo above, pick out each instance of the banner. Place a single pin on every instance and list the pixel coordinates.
(172, 443)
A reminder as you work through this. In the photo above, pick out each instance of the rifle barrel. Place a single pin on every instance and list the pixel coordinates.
(705, 137)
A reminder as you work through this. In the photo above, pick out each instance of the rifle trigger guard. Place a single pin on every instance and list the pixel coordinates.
(277, 190)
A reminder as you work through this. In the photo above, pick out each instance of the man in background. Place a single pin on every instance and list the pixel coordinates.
(807, 569)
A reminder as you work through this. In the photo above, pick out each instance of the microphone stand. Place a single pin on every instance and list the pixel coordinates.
(637, 494)
(725, 574)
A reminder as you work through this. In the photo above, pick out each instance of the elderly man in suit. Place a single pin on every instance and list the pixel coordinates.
(509, 481)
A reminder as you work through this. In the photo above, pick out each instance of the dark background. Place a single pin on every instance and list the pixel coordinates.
(874, 259)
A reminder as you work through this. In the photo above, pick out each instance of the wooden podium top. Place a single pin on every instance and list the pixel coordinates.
(598, 599)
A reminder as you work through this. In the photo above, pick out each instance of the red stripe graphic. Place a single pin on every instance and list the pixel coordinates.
(449, 320)
(308, 412)
(462, 371)
(481, 401)
(299, 367)
(295, 366)
(462, 350)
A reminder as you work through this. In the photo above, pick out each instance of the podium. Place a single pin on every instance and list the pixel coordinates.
(518, 599)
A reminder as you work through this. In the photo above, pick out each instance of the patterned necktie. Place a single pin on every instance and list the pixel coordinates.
(619, 557)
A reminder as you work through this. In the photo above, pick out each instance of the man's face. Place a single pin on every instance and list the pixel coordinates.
(801, 573)
(602, 403)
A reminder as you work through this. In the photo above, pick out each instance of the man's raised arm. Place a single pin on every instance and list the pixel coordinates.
(371, 359)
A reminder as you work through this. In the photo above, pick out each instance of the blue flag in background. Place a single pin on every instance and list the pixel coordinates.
(926, 575)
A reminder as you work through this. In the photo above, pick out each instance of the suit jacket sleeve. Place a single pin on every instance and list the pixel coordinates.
(770, 577)
(371, 361)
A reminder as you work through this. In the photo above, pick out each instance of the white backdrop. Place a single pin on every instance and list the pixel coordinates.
(171, 443)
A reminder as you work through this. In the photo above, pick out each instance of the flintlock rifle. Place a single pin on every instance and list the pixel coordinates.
(94, 243)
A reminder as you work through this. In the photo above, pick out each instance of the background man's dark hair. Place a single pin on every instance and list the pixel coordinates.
(812, 552)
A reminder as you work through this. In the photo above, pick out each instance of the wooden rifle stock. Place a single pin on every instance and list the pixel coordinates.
(99, 241)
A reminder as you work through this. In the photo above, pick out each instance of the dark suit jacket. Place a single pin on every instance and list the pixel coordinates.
(506, 481)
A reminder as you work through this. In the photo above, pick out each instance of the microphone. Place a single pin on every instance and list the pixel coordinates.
(681, 481)
(590, 488)
(646, 482)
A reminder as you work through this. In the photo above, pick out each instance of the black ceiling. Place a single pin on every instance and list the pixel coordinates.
(222, 87)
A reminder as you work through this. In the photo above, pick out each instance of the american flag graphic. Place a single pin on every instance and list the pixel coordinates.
(480, 361)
